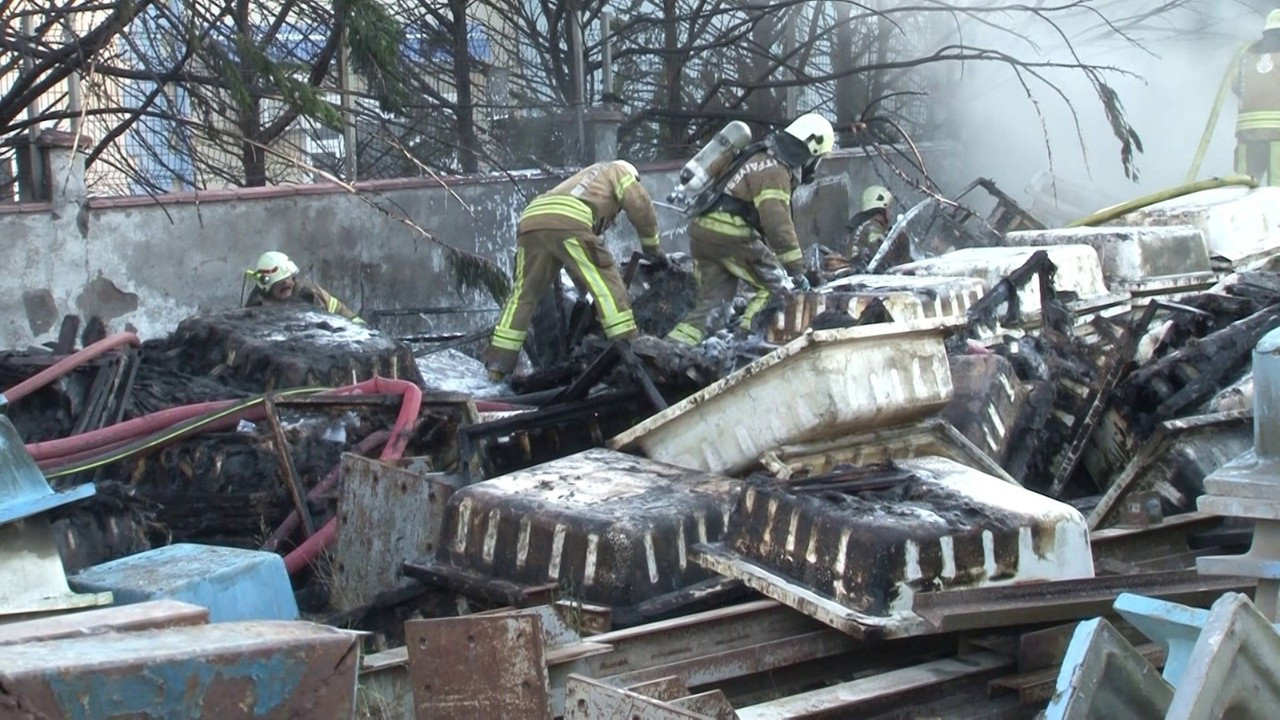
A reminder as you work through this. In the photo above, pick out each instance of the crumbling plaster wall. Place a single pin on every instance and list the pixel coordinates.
(146, 262)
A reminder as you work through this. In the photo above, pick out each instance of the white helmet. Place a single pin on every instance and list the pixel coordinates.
(272, 267)
(628, 167)
(876, 197)
(815, 132)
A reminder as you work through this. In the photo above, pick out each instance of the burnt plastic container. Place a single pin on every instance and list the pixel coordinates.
(609, 528)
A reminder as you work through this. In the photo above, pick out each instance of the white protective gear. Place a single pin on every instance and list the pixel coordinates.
(876, 197)
(815, 132)
(628, 167)
(272, 267)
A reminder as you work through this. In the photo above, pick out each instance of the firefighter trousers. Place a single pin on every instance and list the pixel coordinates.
(720, 262)
(540, 254)
(1259, 159)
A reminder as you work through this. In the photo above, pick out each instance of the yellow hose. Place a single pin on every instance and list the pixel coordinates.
(1115, 211)
(1212, 123)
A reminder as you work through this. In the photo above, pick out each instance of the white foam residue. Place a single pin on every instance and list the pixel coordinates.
(454, 371)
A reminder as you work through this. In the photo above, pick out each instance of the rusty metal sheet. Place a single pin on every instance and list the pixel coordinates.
(587, 699)
(231, 670)
(479, 666)
(150, 615)
(386, 515)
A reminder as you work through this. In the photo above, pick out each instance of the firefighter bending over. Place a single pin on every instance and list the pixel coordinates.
(561, 229)
(728, 242)
(276, 280)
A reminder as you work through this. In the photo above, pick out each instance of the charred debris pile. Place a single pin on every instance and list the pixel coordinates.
(988, 432)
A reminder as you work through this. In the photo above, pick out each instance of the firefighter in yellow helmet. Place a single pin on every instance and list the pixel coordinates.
(276, 280)
(561, 229)
(1258, 124)
(748, 233)
(868, 226)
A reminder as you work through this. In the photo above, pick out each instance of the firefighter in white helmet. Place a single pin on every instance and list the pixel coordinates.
(276, 280)
(748, 235)
(868, 226)
(561, 229)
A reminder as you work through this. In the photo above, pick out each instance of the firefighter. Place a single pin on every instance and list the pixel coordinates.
(868, 226)
(561, 229)
(1258, 124)
(276, 280)
(748, 233)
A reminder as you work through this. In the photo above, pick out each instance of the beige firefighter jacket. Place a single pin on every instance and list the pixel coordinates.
(764, 183)
(592, 199)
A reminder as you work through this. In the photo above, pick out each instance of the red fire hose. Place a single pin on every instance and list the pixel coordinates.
(66, 365)
(364, 447)
(68, 451)
(129, 430)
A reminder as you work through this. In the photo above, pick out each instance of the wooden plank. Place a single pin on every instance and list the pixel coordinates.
(847, 697)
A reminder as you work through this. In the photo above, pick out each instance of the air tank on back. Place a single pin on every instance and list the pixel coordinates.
(703, 168)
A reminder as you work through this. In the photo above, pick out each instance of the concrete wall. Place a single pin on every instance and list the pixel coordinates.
(148, 262)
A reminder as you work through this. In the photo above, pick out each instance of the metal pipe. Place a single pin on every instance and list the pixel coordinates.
(36, 190)
(1266, 397)
(74, 100)
(579, 78)
(606, 54)
(348, 117)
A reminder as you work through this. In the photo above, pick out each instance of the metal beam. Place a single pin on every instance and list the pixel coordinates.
(954, 610)
(845, 698)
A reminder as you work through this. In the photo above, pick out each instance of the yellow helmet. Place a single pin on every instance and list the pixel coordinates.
(876, 197)
(1273, 21)
(272, 267)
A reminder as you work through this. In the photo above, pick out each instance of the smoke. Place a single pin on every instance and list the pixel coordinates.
(1062, 165)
